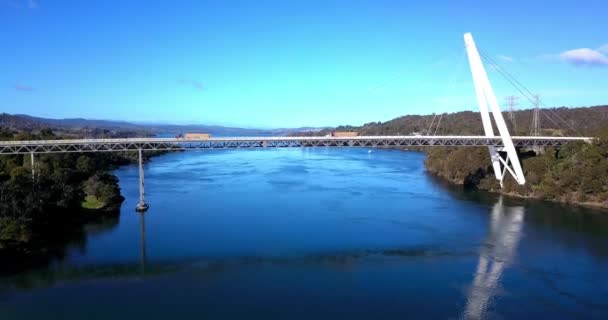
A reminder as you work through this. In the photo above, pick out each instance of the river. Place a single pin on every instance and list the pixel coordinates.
(319, 233)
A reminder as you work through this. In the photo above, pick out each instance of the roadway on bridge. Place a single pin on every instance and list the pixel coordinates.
(133, 144)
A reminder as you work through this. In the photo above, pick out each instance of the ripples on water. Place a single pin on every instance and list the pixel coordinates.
(305, 233)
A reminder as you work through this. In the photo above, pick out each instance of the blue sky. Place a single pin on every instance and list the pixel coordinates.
(290, 63)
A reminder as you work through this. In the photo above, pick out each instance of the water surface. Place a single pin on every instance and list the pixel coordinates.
(320, 233)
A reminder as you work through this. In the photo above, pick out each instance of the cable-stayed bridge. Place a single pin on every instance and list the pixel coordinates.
(501, 147)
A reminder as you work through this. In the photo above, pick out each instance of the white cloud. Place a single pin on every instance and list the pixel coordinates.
(506, 58)
(585, 57)
(603, 49)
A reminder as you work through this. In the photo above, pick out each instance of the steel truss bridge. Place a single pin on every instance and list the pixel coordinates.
(501, 147)
(135, 144)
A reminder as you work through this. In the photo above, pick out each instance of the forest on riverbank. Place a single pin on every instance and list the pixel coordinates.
(66, 191)
(575, 173)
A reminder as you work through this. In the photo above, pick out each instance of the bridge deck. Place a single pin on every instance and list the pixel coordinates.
(129, 144)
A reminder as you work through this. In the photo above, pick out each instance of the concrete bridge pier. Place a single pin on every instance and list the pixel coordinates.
(142, 206)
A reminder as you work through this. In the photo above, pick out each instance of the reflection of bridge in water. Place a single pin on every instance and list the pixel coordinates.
(496, 254)
(142, 242)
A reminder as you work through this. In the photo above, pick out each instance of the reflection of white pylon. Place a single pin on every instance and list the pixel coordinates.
(495, 256)
(485, 97)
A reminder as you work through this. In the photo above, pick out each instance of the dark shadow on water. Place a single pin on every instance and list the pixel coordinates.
(54, 242)
(206, 267)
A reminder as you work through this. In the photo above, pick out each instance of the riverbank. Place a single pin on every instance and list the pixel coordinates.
(575, 174)
(41, 213)
(33, 240)
(455, 183)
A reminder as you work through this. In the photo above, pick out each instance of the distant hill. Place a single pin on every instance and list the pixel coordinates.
(81, 123)
(14, 122)
(26, 122)
(554, 121)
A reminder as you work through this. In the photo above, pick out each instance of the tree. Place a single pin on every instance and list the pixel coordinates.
(85, 165)
(47, 134)
(103, 186)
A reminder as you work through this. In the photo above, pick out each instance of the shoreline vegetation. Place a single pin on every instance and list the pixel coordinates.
(40, 214)
(481, 178)
(576, 174)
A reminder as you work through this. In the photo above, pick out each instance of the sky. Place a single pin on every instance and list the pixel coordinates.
(275, 64)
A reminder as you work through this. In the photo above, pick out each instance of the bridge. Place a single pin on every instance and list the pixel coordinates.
(501, 147)
(176, 144)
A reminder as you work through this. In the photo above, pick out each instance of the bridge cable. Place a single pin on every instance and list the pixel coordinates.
(517, 84)
(524, 94)
(430, 129)
(534, 102)
(397, 76)
(544, 105)
(428, 132)
(513, 82)
(450, 85)
(438, 123)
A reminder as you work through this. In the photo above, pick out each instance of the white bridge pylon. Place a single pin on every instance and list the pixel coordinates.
(485, 97)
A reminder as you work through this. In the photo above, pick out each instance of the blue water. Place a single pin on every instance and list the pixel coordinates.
(320, 233)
